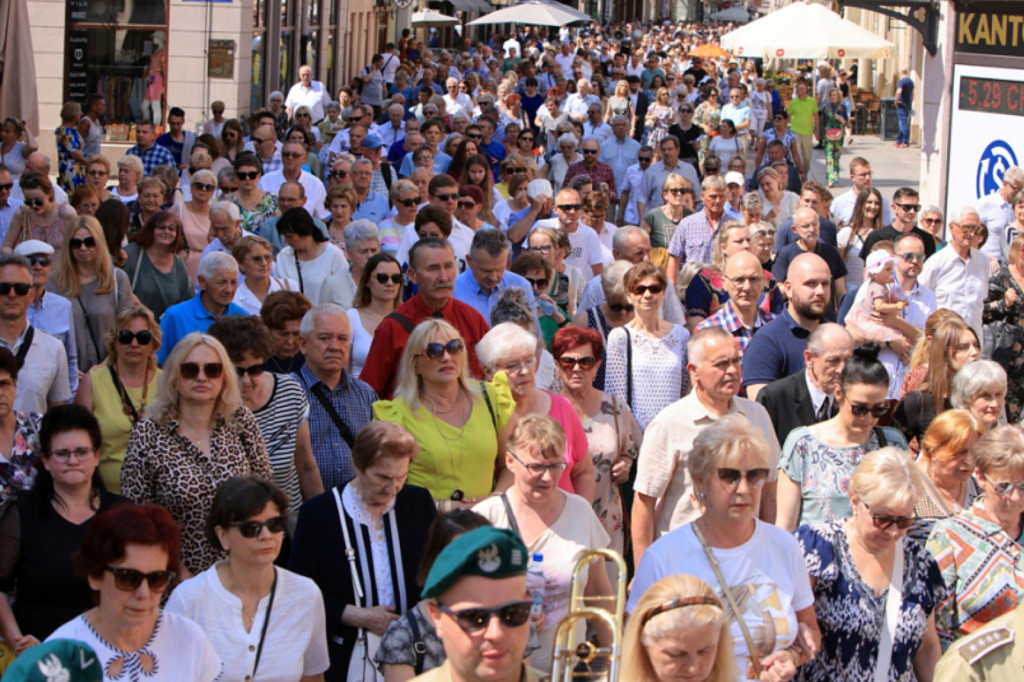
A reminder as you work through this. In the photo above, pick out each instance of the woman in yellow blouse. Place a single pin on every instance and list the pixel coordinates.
(459, 423)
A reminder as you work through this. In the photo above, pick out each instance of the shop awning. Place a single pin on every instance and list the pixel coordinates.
(471, 5)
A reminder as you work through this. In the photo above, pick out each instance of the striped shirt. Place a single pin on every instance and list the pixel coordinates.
(279, 422)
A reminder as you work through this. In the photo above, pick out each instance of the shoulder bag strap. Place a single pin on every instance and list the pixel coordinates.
(893, 600)
(755, 659)
(266, 621)
(418, 645)
(321, 396)
(490, 407)
(26, 343)
(629, 367)
(401, 319)
(511, 515)
(138, 264)
(126, 399)
(880, 435)
(88, 324)
(357, 586)
(298, 271)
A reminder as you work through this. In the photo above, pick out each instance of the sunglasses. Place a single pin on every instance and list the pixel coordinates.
(125, 337)
(516, 171)
(252, 370)
(206, 186)
(250, 529)
(912, 256)
(538, 469)
(129, 579)
(99, 173)
(621, 307)
(1004, 488)
(912, 208)
(887, 522)
(590, 151)
(40, 260)
(409, 203)
(645, 159)
(970, 229)
(434, 351)
(585, 362)
(539, 283)
(446, 197)
(251, 175)
(513, 614)
(527, 138)
(877, 411)
(731, 477)
(65, 455)
(641, 289)
(212, 370)
(932, 221)
(6, 186)
(76, 244)
(284, 155)
(20, 288)
(475, 137)
(467, 204)
(384, 278)
(569, 207)
(676, 190)
(36, 203)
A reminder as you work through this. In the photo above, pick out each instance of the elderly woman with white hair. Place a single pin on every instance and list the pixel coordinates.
(513, 307)
(978, 550)
(748, 562)
(195, 217)
(559, 164)
(511, 349)
(129, 173)
(869, 577)
(362, 242)
(980, 388)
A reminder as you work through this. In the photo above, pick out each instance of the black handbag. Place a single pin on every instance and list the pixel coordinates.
(1000, 339)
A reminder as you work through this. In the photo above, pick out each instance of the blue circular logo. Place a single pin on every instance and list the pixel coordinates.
(994, 161)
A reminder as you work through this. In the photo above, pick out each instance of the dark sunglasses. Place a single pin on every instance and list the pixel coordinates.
(641, 289)
(467, 204)
(527, 138)
(586, 362)
(591, 151)
(385, 278)
(125, 337)
(570, 207)
(912, 208)
(621, 307)
(250, 529)
(129, 579)
(20, 288)
(260, 140)
(645, 159)
(76, 244)
(338, 174)
(919, 256)
(409, 203)
(676, 190)
(6, 186)
(731, 477)
(40, 260)
(284, 155)
(37, 203)
(877, 411)
(932, 221)
(212, 370)
(887, 522)
(251, 175)
(513, 614)
(540, 283)
(475, 137)
(446, 197)
(206, 186)
(516, 171)
(252, 370)
(434, 351)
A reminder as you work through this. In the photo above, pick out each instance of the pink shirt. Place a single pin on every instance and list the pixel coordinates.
(575, 437)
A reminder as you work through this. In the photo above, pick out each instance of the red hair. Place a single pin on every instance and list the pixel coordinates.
(128, 524)
(571, 336)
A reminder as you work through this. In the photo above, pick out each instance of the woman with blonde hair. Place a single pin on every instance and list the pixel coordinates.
(660, 222)
(659, 117)
(567, 283)
(779, 203)
(875, 591)
(620, 104)
(83, 273)
(947, 462)
(196, 435)
(129, 172)
(917, 370)
(679, 630)
(195, 217)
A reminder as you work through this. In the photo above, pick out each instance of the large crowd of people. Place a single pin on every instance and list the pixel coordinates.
(315, 394)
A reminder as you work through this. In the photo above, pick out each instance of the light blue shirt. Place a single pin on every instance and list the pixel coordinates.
(53, 314)
(620, 156)
(186, 317)
(6, 213)
(441, 163)
(374, 207)
(468, 291)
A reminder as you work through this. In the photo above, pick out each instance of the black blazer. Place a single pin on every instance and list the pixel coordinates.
(641, 111)
(789, 404)
(318, 553)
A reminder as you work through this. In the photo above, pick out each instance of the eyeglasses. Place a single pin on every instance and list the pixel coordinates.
(129, 579)
(212, 370)
(912, 256)
(569, 207)
(590, 152)
(515, 171)
(641, 289)
(539, 283)
(260, 140)
(1003, 488)
(467, 204)
(265, 258)
(878, 411)
(98, 173)
(541, 249)
(910, 208)
(731, 477)
(446, 197)
(301, 115)
(645, 159)
(228, 189)
(43, 261)
(969, 229)
(676, 190)
(475, 136)
(384, 278)
(527, 138)
(252, 370)
(743, 281)
(125, 337)
(538, 469)
(287, 155)
(76, 244)
(932, 221)
(37, 203)
(206, 187)
(251, 175)
(6, 186)
(20, 288)
(685, 110)
(887, 522)
(251, 529)
(79, 453)
(585, 362)
(434, 351)
(513, 614)
(621, 307)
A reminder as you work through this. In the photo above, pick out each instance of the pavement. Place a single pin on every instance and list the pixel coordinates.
(891, 167)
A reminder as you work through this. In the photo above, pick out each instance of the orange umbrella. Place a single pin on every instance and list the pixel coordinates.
(709, 50)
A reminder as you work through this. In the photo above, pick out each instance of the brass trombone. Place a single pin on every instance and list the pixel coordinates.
(566, 653)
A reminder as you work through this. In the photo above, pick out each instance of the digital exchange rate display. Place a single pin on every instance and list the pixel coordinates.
(991, 95)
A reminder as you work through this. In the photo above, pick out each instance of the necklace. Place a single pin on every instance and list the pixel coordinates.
(126, 402)
(457, 495)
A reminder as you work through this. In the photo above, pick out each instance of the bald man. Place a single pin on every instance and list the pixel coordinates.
(807, 227)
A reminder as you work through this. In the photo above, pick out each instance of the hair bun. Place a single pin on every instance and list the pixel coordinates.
(868, 352)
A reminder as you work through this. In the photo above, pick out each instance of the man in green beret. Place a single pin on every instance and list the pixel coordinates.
(481, 609)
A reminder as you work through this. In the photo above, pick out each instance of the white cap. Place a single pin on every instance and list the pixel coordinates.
(735, 178)
(877, 260)
(33, 247)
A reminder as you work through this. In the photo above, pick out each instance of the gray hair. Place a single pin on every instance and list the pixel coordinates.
(362, 161)
(932, 210)
(716, 182)
(513, 307)
(751, 201)
(462, 115)
(975, 377)
(358, 230)
(619, 118)
(309, 319)
(965, 211)
(205, 175)
(695, 346)
(216, 261)
(612, 280)
(494, 242)
(506, 338)
(818, 340)
(228, 207)
(567, 138)
(226, 173)
(622, 235)
(1014, 175)
(276, 94)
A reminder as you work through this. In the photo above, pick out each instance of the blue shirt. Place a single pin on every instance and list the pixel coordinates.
(53, 314)
(153, 157)
(353, 401)
(374, 207)
(471, 293)
(620, 156)
(186, 317)
(775, 352)
(441, 163)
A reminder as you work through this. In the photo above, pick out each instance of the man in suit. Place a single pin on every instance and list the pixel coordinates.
(808, 397)
(640, 104)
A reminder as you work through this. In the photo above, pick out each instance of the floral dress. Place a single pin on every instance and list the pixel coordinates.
(995, 310)
(831, 115)
(266, 208)
(706, 114)
(656, 367)
(658, 129)
(18, 469)
(70, 173)
(851, 616)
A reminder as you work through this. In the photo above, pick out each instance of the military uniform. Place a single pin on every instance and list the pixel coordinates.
(995, 653)
(444, 674)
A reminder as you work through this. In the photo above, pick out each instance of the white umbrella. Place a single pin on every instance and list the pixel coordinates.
(735, 14)
(805, 31)
(533, 13)
(431, 17)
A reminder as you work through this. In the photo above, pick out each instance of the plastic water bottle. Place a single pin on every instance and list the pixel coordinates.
(535, 583)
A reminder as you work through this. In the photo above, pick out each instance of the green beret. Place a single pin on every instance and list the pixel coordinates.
(487, 551)
(59, 659)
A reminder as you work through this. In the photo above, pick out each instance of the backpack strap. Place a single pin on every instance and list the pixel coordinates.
(401, 319)
(418, 645)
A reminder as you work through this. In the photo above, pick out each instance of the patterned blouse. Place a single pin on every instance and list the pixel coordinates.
(852, 616)
(983, 568)
(266, 208)
(165, 467)
(18, 468)
(70, 173)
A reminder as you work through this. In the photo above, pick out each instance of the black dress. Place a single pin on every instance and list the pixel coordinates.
(36, 549)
